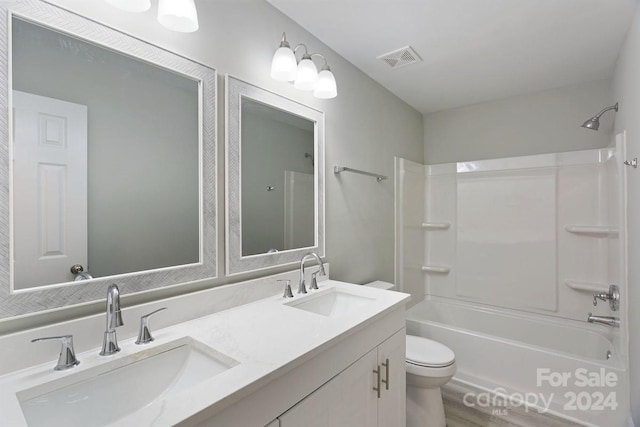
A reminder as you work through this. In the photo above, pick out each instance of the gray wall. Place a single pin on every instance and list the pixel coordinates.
(142, 150)
(365, 127)
(627, 92)
(544, 122)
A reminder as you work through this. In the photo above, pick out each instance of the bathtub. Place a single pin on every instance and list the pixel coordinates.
(547, 366)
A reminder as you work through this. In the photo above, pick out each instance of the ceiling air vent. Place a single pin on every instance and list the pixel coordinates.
(401, 57)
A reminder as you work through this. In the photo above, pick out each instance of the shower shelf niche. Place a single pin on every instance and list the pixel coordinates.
(586, 287)
(436, 269)
(592, 230)
(436, 225)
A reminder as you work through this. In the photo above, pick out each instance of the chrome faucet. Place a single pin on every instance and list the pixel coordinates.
(302, 289)
(114, 319)
(605, 320)
(67, 358)
(613, 297)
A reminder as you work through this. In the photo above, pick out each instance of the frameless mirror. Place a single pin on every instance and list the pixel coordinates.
(112, 162)
(275, 181)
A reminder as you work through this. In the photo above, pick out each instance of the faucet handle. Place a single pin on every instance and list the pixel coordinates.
(287, 288)
(144, 334)
(67, 358)
(600, 295)
(613, 296)
(314, 280)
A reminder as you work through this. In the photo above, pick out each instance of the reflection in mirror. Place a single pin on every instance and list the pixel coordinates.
(105, 161)
(112, 174)
(278, 202)
(275, 179)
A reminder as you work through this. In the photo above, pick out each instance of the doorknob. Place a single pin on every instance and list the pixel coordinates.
(77, 269)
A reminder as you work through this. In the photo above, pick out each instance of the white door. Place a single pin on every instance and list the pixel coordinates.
(299, 210)
(49, 189)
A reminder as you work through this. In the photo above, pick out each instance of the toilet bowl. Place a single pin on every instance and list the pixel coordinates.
(429, 366)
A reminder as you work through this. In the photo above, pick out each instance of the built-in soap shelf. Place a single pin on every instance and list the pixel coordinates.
(586, 287)
(592, 230)
(436, 269)
(436, 225)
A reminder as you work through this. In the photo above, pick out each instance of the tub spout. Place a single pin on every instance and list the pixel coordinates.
(605, 320)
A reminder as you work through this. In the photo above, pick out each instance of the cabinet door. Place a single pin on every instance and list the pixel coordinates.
(392, 402)
(356, 403)
(314, 410)
(348, 400)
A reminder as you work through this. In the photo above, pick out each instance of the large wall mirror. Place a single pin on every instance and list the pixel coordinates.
(275, 181)
(109, 162)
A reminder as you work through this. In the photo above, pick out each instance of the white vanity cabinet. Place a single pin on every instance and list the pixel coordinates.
(370, 392)
(328, 384)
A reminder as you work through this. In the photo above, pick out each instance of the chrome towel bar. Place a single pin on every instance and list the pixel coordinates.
(378, 177)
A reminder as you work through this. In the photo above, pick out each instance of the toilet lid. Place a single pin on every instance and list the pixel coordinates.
(426, 352)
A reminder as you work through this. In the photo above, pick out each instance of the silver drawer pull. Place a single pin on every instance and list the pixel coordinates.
(377, 389)
(386, 380)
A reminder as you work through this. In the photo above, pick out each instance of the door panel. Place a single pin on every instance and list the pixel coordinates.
(49, 189)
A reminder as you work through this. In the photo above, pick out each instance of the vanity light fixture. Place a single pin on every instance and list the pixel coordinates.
(175, 15)
(326, 87)
(304, 74)
(284, 64)
(307, 73)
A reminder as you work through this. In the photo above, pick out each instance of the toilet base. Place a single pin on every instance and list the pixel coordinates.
(424, 407)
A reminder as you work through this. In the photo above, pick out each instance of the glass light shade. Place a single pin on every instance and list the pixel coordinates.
(325, 85)
(131, 5)
(284, 66)
(178, 15)
(307, 75)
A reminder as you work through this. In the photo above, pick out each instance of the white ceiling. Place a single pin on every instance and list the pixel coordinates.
(472, 50)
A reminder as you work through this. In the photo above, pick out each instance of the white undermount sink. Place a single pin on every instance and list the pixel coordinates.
(331, 303)
(110, 391)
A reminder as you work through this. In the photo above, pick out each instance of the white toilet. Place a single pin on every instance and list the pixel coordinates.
(429, 366)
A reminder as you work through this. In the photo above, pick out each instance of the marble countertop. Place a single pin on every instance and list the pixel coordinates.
(267, 338)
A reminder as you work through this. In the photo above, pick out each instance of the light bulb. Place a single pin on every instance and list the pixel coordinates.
(307, 74)
(284, 65)
(325, 85)
(178, 15)
(131, 5)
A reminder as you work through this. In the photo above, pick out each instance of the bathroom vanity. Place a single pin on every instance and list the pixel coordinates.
(332, 357)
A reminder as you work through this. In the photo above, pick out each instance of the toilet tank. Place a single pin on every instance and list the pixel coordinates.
(381, 285)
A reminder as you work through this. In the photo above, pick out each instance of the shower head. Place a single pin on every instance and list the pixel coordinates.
(594, 122)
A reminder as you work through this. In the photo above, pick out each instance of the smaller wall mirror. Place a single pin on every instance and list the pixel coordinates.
(275, 180)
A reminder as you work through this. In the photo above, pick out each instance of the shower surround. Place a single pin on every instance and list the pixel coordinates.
(502, 258)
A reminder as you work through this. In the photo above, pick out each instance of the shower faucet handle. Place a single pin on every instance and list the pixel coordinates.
(613, 297)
